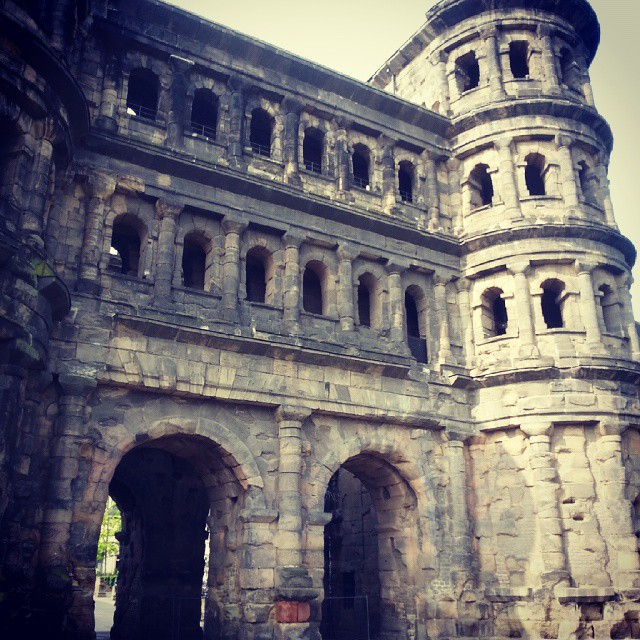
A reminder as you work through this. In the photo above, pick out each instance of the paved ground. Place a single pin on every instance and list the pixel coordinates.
(104, 617)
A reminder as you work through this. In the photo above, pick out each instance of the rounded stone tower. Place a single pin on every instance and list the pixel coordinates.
(552, 345)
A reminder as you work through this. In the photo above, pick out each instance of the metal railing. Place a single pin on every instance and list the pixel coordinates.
(140, 111)
(315, 167)
(261, 149)
(406, 196)
(362, 183)
(203, 130)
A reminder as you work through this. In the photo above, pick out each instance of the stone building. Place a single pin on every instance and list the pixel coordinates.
(371, 343)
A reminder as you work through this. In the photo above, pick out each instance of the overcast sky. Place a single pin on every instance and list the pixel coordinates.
(356, 36)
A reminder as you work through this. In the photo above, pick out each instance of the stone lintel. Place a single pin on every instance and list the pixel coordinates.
(584, 594)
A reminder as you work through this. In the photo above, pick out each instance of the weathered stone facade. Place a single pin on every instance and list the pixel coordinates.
(357, 343)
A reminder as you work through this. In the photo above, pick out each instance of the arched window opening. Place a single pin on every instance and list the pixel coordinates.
(312, 150)
(494, 313)
(610, 310)
(552, 304)
(194, 263)
(360, 162)
(312, 290)
(415, 340)
(569, 70)
(364, 301)
(588, 182)
(481, 187)
(256, 276)
(204, 113)
(519, 58)
(125, 247)
(534, 174)
(142, 94)
(467, 72)
(405, 181)
(261, 132)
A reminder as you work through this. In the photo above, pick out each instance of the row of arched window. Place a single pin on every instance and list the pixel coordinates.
(142, 102)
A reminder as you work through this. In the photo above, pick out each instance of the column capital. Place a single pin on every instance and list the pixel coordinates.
(463, 285)
(612, 428)
(396, 267)
(181, 65)
(534, 429)
(99, 185)
(238, 84)
(584, 267)
(488, 31)
(292, 240)
(458, 438)
(564, 141)
(233, 225)
(169, 208)
(292, 105)
(292, 413)
(521, 267)
(347, 252)
(440, 280)
(544, 31)
(73, 384)
(438, 57)
(453, 164)
(343, 123)
(503, 143)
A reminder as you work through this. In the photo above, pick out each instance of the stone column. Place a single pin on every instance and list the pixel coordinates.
(568, 182)
(494, 70)
(233, 229)
(550, 81)
(462, 558)
(176, 114)
(588, 308)
(605, 193)
(293, 583)
(168, 211)
(238, 88)
(431, 197)
(292, 108)
(292, 282)
(585, 79)
(108, 118)
(544, 490)
(396, 303)
(463, 285)
(528, 347)
(342, 155)
(99, 188)
(628, 320)
(508, 178)
(614, 513)
(457, 204)
(388, 174)
(55, 566)
(439, 62)
(346, 312)
(444, 348)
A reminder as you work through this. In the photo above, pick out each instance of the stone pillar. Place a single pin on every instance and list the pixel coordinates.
(439, 62)
(292, 282)
(444, 347)
(605, 193)
(292, 108)
(238, 88)
(568, 182)
(293, 583)
(396, 303)
(462, 559)
(33, 216)
(168, 211)
(457, 204)
(627, 316)
(544, 490)
(463, 285)
(112, 64)
(588, 308)
(528, 347)
(99, 188)
(494, 70)
(550, 82)
(231, 266)
(178, 100)
(614, 512)
(56, 570)
(431, 197)
(342, 155)
(508, 178)
(585, 79)
(388, 174)
(346, 311)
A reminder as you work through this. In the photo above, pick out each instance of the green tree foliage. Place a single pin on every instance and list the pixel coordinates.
(111, 524)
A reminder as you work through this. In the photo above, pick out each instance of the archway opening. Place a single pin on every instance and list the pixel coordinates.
(174, 493)
(370, 546)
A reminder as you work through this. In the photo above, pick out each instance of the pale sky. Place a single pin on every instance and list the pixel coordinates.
(356, 36)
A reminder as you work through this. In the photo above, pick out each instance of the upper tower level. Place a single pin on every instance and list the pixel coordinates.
(473, 52)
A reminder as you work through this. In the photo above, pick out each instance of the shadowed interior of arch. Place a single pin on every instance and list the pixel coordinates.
(369, 548)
